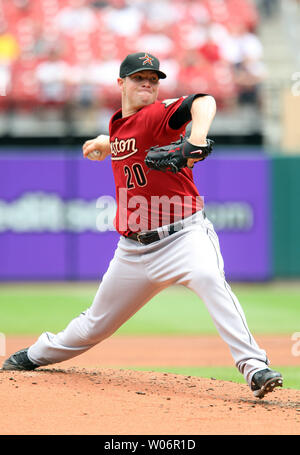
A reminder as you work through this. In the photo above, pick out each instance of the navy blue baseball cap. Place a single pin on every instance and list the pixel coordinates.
(140, 61)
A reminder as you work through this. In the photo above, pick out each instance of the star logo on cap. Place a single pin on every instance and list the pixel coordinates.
(147, 59)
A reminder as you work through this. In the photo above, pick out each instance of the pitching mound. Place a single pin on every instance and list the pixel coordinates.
(78, 397)
(125, 402)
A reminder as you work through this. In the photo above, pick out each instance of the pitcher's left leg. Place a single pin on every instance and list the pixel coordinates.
(208, 281)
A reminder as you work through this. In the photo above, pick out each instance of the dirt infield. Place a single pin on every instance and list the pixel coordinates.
(93, 395)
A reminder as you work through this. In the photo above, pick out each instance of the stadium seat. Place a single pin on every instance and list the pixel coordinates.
(187, 32)
(25, 90)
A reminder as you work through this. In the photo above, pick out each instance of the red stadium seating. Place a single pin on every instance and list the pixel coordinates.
(39, 20)
(25, 89)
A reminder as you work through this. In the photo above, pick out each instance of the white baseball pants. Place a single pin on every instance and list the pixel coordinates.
(190, 257)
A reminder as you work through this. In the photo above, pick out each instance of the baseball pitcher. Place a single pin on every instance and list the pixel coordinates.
(165, 236)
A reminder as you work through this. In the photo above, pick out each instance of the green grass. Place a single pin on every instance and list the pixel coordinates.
(270, 308)
(291, 374)
(31, 309)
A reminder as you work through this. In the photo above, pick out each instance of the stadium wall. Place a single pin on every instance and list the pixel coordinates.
(286, 216)
(57, 211)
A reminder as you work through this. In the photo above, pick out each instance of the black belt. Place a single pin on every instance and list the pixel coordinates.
(147, 237)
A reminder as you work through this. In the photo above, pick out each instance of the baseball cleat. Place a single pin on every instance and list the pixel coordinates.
(265, 381)
(19, 361)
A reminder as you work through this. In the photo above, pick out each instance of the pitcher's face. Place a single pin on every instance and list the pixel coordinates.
(139, 89)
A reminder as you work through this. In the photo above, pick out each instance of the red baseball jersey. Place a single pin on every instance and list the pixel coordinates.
(147, 199)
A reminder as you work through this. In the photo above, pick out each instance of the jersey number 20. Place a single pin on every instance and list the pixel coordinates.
(135, 175)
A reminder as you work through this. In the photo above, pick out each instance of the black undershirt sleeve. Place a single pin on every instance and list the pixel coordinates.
(183, 113)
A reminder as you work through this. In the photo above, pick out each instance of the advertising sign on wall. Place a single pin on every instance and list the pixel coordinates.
(57, 212)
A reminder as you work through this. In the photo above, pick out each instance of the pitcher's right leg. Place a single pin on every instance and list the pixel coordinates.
(124, 289)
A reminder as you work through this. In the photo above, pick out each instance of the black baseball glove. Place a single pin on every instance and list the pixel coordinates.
(174, 157)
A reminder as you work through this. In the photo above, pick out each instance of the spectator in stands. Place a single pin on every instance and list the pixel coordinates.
(210, 49)
(9, 52)
(93, 80)
(43, 43)
(55, 78)
(9, 47)
(210, 77)
(104, 73)
(156, 41)
(238, 44)
(169, 85)
(77, 17)
(249, 75)
(99, 3)
(248, 66)
(192, 10)
(194, 72)
(268, 8)
(82, 82)
(22, 5)
(123, 19)
(162, 13)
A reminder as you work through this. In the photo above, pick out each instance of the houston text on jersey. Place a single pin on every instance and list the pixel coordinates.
(121, 149)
